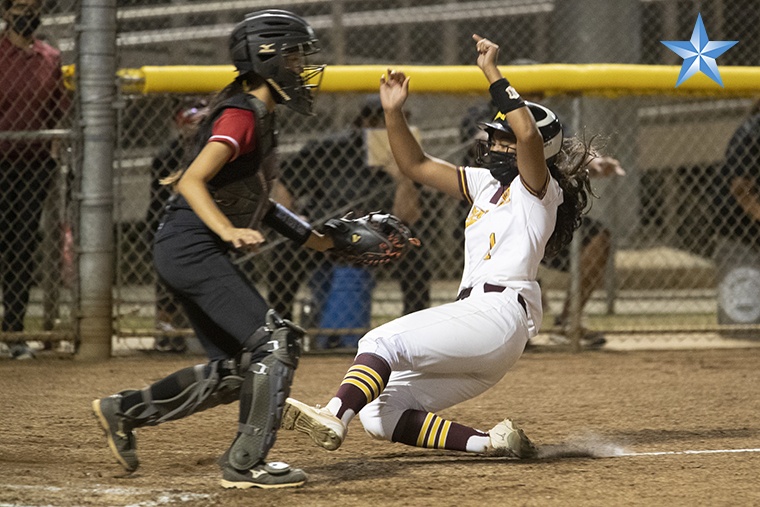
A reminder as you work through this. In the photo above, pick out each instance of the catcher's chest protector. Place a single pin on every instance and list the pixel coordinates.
(241, 188)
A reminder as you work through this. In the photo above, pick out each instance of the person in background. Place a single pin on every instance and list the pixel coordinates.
(741, 173)
(737, 223)
(348, 172)
(32, 98)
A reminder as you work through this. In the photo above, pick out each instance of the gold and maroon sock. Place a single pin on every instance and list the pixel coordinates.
(364, 382)
(425, 429)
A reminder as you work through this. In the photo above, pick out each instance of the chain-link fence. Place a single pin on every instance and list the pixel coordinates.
(666, 247)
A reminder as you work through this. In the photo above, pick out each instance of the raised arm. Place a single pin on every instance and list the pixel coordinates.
(412, 161)
(530, 145)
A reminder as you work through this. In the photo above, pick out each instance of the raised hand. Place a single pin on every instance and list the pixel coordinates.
(488, 52)
(394, 90)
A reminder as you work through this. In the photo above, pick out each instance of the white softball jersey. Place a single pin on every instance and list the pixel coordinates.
(505, 234)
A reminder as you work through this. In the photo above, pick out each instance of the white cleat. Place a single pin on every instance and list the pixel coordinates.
(325, 429)
(507, 439)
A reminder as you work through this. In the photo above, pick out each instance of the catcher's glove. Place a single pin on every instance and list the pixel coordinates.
(370, 240)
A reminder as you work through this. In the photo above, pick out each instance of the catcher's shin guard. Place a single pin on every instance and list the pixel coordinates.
(264, 390)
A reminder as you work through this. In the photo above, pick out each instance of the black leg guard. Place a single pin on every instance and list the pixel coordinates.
(264, 390)
(197, 388)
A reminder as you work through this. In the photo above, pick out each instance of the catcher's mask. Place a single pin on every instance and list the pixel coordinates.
(547, 122)
(273, 44)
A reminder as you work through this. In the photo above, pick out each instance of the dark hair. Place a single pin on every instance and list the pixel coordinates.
(240, 84)
(570, 169)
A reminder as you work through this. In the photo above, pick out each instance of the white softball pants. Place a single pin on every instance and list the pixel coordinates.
(444, 355)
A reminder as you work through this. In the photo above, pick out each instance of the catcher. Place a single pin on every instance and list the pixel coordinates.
(222, 200)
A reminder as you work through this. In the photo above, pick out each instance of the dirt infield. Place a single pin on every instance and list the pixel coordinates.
(655, 404)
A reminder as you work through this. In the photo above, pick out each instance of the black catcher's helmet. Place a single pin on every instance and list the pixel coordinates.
(273, 44)
(547, 122)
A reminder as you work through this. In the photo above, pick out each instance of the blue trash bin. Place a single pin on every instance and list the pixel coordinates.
(348, 305)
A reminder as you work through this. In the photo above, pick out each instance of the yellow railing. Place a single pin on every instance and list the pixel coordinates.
(586, 79)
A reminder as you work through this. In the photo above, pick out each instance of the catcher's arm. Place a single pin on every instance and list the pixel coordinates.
(193, 187)
(294, 227)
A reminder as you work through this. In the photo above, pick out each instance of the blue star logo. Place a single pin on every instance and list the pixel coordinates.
(699, 53)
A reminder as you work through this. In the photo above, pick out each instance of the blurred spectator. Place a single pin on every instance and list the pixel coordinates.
(32, 98)
(741, 172)
(173, 156)
(595, 237)
(737, 252)
(351, 170)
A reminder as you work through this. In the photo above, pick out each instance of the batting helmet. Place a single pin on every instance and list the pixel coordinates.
(273, 44)
(547, 122)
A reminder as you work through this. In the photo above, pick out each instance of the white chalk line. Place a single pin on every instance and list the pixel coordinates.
(672, 453)
(161, 498)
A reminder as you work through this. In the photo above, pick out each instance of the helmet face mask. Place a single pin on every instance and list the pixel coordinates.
(274, 44)
(487, 156)
(502, 162)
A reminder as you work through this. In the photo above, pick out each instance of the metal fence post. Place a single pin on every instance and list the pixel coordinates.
(96, 83)
(575, 317)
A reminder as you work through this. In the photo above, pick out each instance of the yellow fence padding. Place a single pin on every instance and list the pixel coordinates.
(585, 79)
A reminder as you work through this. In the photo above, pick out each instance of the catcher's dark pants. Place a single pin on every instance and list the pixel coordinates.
(23, 189)
(223, 307)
